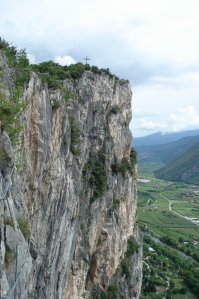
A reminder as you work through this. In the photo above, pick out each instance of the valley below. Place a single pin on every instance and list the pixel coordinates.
(169, 218)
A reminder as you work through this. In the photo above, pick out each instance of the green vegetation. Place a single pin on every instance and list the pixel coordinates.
(8, 257)
(53, 74)
(23, 225)
(185, 168)
(125, 267)
(55, 105)
(116, 203)
(167, 152)
(166, 273)
(94, 173)
(132, 247)
(10, 112)
(75, 137)
(112, 292)
(3, 155)
(174, 239)
(133, 157)
(8, 221)
(20, 163)
(17, 59)
(69, 95)
(126, 166)
(114, 110)
(154, 199)
(182, 245)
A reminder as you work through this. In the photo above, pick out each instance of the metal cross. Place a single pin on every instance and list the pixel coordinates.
(86, 59)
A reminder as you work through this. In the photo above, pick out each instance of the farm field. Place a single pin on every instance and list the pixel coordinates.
(168, 212)
(154, 200)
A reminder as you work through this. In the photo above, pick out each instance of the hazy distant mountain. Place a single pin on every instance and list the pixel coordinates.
(185, 168)
(165, 152)
(160, 138)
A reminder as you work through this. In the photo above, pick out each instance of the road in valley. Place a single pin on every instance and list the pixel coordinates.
(178, 214)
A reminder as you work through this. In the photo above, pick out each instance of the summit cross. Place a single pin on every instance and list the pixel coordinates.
(86, 59)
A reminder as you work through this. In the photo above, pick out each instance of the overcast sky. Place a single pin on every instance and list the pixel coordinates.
(153, 43)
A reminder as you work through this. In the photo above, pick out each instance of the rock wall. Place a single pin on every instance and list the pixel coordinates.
(68, 193)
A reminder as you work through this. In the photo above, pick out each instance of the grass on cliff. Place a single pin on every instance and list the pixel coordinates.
(23, 225)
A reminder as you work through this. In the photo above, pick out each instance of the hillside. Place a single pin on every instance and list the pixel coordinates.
(167, 152)
(162, 138)
(185, 168)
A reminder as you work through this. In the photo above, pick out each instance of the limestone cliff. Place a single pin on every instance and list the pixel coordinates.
(68, 192)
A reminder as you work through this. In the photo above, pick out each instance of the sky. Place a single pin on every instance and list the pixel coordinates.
(153, 43)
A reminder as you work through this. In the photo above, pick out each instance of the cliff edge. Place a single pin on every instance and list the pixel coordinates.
(68, 189)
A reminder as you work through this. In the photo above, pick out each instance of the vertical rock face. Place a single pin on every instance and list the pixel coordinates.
(75, 191)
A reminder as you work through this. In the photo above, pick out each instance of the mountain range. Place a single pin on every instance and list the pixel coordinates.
(180, 156)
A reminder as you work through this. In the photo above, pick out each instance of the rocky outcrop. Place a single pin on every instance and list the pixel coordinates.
(68, 193)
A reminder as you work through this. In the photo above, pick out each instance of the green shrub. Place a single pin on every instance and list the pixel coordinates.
(52, 82)
(94, 173)
(132, 247)
(123, 168)
(20, 164)
(75, 137)
(68, 95)
(87, 170)
(114, 110)
(10, 112)
(55, 106)
(112, 292)
(77, 70)
(126, 166)
(23, 225)
(115, 204)
(17, 59)
(98, 177)
(3, 155)
(125, 267)
(8, 221)
(53, 72)
(95, 70)
(8, 257)
(123, 82)
(133, 157)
